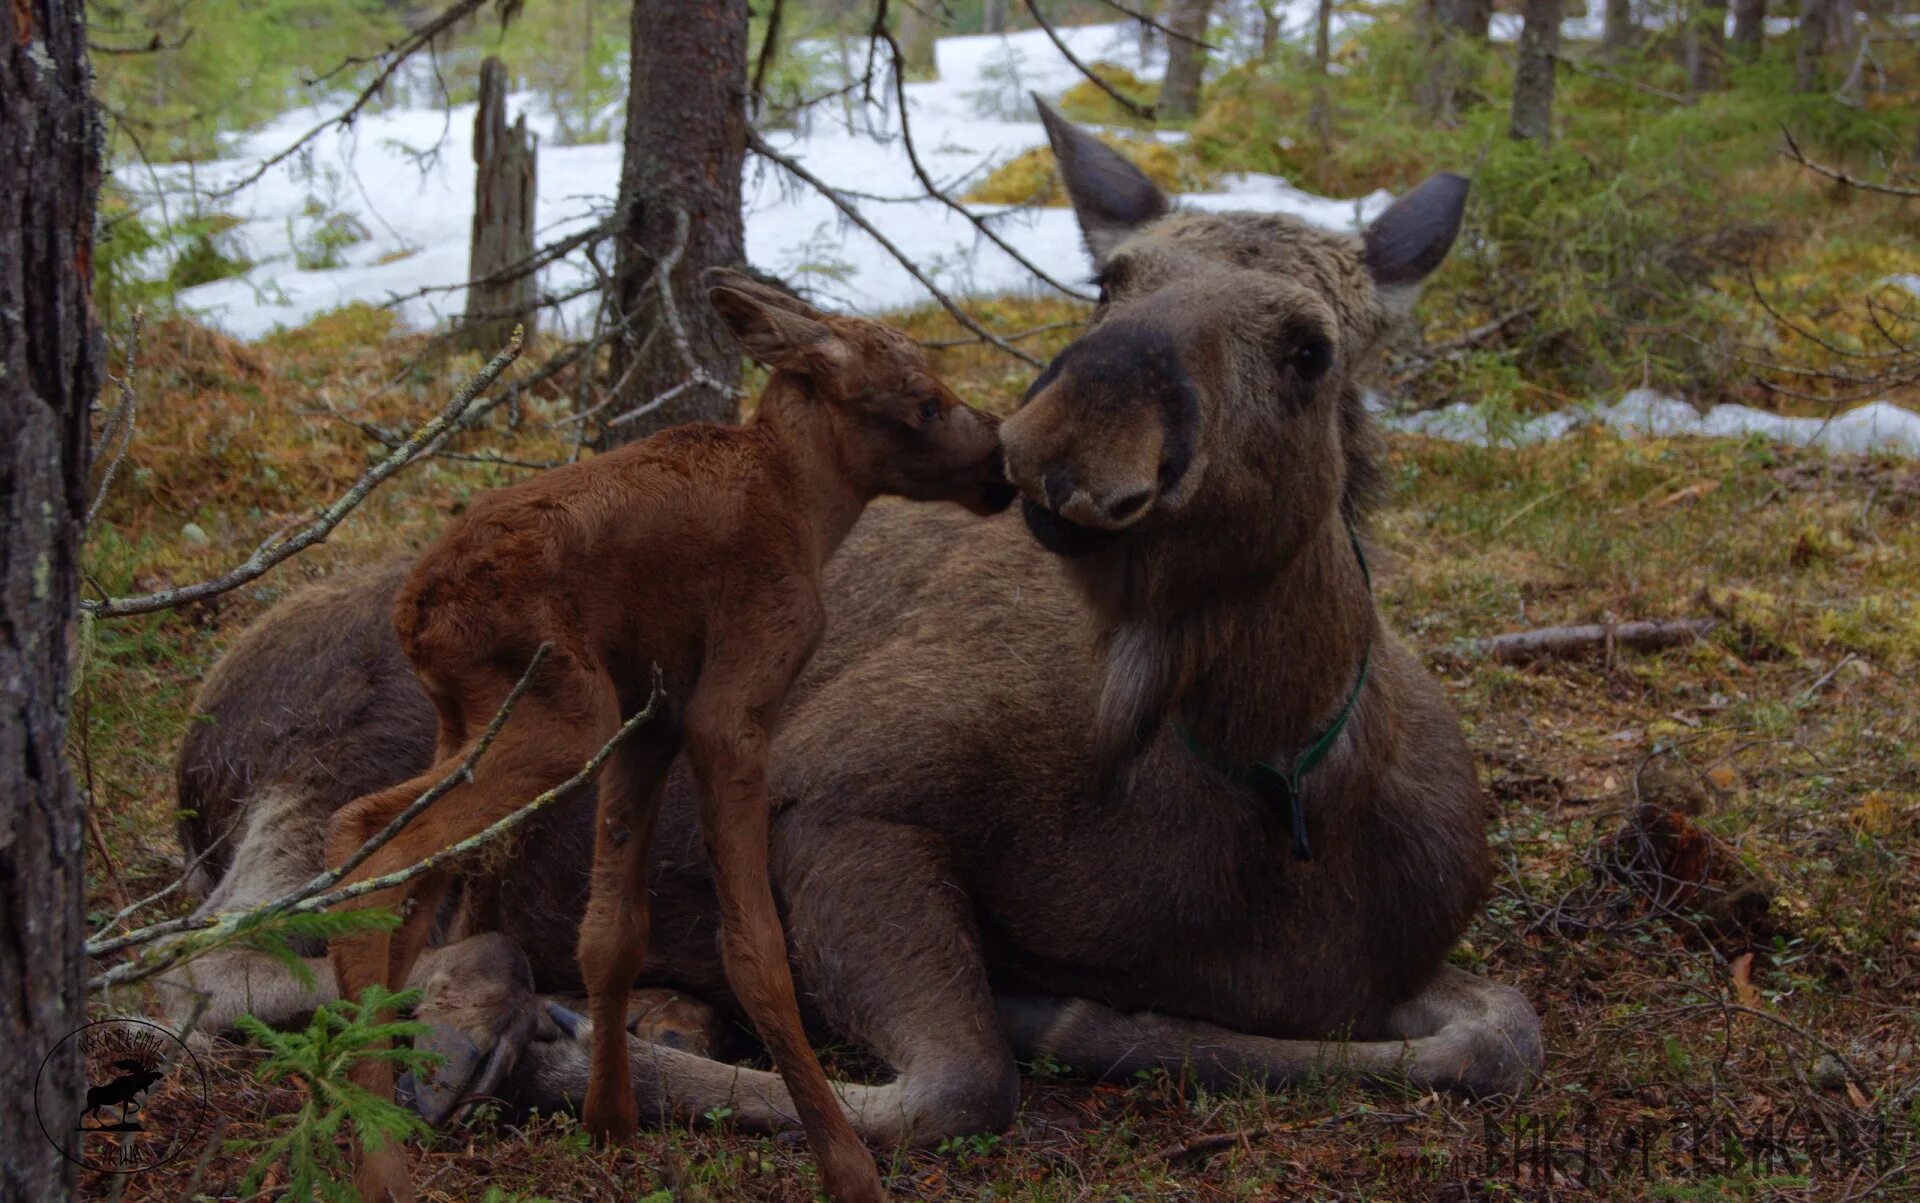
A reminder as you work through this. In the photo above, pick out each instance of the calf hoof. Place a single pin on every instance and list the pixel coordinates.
(607, 1120)
(849, 1176)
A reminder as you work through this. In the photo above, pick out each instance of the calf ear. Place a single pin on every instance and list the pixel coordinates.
(776, 334)
(1110, 196)
(1409, 240)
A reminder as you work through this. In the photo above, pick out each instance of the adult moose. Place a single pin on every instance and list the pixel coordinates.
(968, 878)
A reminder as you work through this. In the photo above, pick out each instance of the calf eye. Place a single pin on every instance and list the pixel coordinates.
(929, 411)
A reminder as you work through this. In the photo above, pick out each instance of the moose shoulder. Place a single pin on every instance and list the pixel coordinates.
(1022, 813)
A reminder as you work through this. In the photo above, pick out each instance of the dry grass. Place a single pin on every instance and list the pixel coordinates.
(1780, 754)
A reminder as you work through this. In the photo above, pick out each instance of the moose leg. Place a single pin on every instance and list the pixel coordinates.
(906, 979)
(1462, 1034)
(727, 747)
(613, 933)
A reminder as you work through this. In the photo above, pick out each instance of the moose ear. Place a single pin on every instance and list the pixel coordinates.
(1405, 244)
(778, 331)
(1110, 196)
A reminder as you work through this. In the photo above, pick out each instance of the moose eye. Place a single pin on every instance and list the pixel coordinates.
(929, 411)
(1310, 356)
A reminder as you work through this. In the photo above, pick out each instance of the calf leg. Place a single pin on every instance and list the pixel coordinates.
(728, 751)
(1462, 1033)
(613, 932)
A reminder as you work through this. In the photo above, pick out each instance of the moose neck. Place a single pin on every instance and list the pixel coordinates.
(1254, 670)
(830, 489)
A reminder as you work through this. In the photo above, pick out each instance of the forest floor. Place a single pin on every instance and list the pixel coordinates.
(1710, 855)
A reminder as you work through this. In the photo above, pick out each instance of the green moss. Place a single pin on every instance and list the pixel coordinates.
(1088, 103)
(1030, 178)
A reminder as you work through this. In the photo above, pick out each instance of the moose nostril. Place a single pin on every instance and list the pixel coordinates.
(1058, 486)
(1127, 507)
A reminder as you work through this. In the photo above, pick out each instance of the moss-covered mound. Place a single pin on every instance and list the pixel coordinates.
(1088, 103)
(1030, 178)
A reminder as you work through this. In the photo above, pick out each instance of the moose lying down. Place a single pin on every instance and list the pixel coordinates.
(1023, 810)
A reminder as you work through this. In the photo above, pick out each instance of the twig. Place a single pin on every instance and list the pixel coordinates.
(938, 344)
(264, 560)
(121, 422)
(1793, 151)
(1151, 23)
(326, 880)
(1559, 642)
(400, 51)
(229, 924)
(933, 190)
(769, 46)
(760, 147)
(1601, 73)
(541, 257)
(1144, 112)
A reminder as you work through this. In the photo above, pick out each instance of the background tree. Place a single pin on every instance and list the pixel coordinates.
(1749, 27)
(1618, 28)
(1706, 46)
(1533, 72)
(1186, 58)
(50, 143)
(918, 29)
(679, 210)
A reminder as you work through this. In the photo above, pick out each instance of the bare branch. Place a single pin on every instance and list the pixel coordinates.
(230, 924)
(1792, 151)
(1143, 111)
(769, 46)
(933, 190)
(760, 147)
(121, 422)
(1151, 23)
(265, 559)
(400, 52)
(1556, 642)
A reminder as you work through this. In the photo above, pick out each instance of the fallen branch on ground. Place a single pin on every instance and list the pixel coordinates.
(266, 558)
(1557, 642)
(1792, 151)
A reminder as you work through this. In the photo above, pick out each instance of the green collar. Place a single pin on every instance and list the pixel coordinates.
(1285, 787)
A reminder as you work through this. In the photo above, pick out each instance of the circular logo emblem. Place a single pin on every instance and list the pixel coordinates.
(142, 1101)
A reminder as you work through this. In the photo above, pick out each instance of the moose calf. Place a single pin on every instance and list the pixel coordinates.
(698, 551)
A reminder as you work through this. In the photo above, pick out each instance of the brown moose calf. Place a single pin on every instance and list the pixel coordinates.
(698, 550)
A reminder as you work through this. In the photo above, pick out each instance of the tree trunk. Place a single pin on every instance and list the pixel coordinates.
(1470, 17)
(503, 203)
(1533, 74)
(50, 143)
(1618, 29)
(1811, 45)
(1706, 45)
(993, 16)
(685, 148)
(1749, 27)
(917, 32)
(1269, 30)
(1186, 61)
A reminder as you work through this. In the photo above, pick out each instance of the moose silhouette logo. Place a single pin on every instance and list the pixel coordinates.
(145, 1097)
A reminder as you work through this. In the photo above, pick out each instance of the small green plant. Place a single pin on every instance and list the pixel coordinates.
(307, 1143)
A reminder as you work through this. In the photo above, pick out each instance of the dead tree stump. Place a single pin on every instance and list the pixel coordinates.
(503, 291)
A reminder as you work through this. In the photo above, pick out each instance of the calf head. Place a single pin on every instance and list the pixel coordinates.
(903, 430)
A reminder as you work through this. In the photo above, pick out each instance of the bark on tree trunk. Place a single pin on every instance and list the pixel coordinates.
(1707, 46)
(685, 147)
(1749, 27)
(1533, 74)
(1186, 62)
(503, 218)
(1269, 30)
(50, 145)
(1618, 29)
(993, 16)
